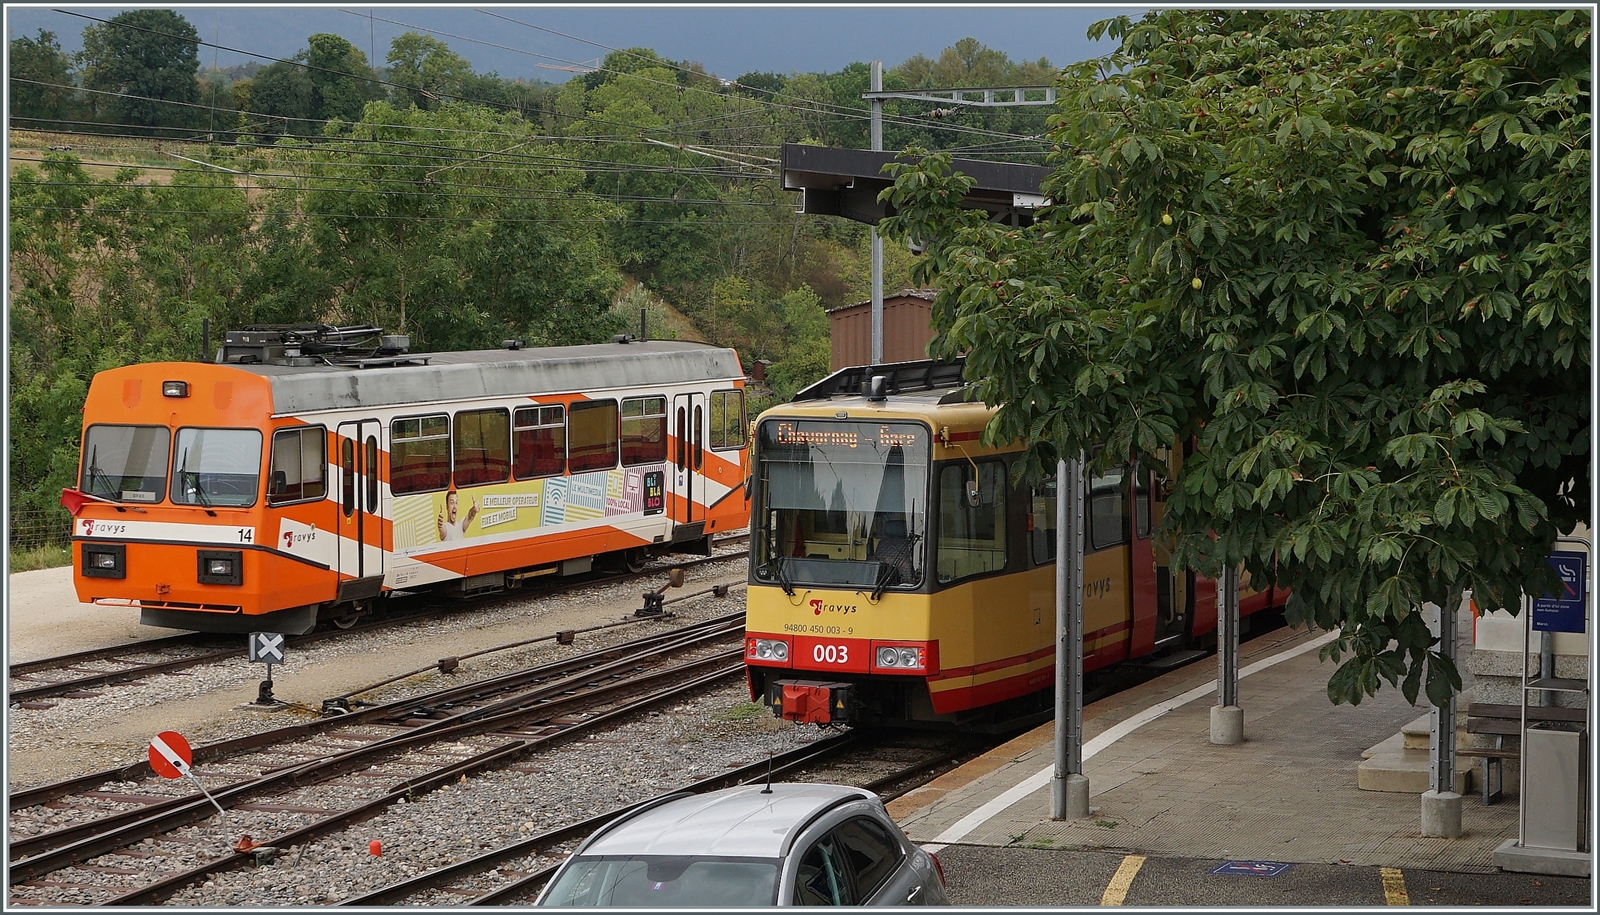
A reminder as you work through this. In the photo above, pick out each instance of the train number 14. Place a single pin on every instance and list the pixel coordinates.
(830, 654)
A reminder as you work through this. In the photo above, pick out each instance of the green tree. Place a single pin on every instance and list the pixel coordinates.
(283, 101)
(147, 59)
(463, 246)
(425, 71)
(341, 78)
(1346, 255)
(39, 80)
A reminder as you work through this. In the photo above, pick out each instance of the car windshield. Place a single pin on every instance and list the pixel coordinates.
(125, 463)
(659, 881)
(216, 467)
(841, 503)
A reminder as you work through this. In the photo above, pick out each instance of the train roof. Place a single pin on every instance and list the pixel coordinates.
(449, 377)
(929, 390)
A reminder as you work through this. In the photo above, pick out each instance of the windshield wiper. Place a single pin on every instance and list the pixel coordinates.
(97, 476)
(776, 565)
(185, 476)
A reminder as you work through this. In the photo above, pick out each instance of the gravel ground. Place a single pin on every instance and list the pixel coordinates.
(212, 703)
(717, 731)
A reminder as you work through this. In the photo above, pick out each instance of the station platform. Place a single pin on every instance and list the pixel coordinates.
(1159, 789)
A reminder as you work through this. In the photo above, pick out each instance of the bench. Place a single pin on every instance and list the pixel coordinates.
(1499, 722)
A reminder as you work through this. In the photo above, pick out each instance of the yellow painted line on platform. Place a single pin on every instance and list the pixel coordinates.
(1121, 880)
(1394, 886)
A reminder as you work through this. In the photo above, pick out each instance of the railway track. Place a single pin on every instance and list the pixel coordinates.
(86, 674)
(324, 775)
(514, 873)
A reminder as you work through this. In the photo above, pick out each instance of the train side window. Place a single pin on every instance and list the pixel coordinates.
(972, 538)
(727, 420)
(347, 476)
(372, 473)
(482, 447)
(683, 442)
(539, 442)
(419, 454)
(1108, 508)
(1042, 523)
(644, 430)
(699, 439)
(299, 465)
(592, 435)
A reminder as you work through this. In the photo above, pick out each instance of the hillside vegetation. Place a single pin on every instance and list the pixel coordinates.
(148, 196)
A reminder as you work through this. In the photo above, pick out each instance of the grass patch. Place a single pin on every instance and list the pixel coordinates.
(40, 557)
(745, 711)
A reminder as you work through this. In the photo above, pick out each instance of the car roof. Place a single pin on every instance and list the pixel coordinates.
(745, 822)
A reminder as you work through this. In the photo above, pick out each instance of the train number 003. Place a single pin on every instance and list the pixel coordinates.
(830, 654)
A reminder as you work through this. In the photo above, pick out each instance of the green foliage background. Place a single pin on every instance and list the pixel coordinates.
(413, 193)
(1346, 255)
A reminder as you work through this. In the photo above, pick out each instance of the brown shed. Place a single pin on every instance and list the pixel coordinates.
(907, 329)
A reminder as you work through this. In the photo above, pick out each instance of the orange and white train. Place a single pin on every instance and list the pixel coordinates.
(898, 574)
(312, 469)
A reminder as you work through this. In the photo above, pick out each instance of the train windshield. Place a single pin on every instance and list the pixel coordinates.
(841, 503)
(216, 467)
(125, 463)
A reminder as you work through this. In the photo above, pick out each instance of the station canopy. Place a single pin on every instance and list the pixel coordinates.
(846, 182)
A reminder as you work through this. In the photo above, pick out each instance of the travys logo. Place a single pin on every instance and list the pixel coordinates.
(818, 606)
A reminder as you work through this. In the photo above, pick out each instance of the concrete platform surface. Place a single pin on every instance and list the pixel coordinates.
(44, 618)
(1160, 790)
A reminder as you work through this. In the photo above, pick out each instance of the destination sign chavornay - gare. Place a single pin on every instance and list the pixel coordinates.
(789, 433)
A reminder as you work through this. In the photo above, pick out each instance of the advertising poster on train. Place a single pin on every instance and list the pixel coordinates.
(427, 521)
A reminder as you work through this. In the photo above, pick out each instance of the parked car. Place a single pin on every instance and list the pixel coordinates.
(785, 844)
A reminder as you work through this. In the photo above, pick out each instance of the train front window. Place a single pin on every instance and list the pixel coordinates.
(212, 467)
(125, 463)
(842, 503)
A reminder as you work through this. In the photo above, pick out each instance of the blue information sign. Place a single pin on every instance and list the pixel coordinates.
(1564, 612)
(1252, 868)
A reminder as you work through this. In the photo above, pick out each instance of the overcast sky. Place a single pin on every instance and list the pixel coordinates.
(729, 40)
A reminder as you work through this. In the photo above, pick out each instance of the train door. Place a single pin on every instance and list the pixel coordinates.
(360, 514)
(1173, 589)
(688, 457)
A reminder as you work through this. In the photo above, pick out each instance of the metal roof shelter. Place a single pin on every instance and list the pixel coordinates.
(846, 182)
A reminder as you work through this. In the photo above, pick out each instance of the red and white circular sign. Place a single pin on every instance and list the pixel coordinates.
(170, 755)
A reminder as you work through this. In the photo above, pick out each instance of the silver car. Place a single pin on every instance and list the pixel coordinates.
(787, 844)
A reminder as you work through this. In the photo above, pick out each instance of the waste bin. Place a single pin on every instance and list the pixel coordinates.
(1555, 758)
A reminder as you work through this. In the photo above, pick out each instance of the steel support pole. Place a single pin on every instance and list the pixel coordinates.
(1442, 721)
(1227, 718)
(877, 240)
(1441, 805)
(1069, 787)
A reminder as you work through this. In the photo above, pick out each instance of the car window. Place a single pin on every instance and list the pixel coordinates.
(873, 855)
(659, 881)
(822, 878)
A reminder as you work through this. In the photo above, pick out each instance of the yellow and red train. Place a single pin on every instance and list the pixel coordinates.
(312, 469)
(897, 574)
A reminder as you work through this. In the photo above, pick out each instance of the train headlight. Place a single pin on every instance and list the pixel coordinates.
(220, 567)
(768, 650)
(105, 560)
(895, 657)
(174, 389)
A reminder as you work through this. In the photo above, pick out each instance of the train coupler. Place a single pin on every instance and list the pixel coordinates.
(810, 701)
